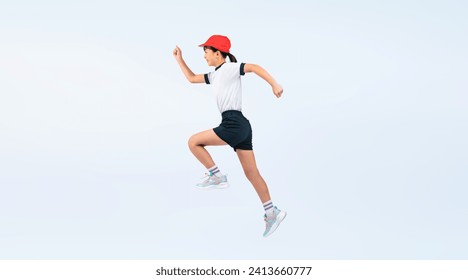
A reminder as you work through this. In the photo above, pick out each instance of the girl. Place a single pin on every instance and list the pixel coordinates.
(235, 129)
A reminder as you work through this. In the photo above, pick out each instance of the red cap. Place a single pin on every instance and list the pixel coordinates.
(219, 42)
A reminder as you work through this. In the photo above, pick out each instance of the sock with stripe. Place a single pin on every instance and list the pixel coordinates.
(215, 171)
(269, 208)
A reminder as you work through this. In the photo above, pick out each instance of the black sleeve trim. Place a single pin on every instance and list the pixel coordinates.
(242, 69)
(206, 79)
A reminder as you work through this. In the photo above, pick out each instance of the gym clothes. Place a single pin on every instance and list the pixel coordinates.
(213, 182)
(219, 42)
(215, 171)
(273, 221)
(235, 130)
(226, 82)
(268, 206)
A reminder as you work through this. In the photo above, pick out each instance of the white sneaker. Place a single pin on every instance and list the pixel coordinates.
(213, 182)
(273, 221)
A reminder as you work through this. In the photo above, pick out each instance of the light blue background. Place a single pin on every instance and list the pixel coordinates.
(366, 149)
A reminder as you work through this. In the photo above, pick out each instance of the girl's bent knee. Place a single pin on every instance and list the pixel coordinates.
(193, 143)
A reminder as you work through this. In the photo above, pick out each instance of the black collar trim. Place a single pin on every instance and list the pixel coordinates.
(219, 66)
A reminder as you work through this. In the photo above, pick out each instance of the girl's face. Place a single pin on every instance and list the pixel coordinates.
(212, 58)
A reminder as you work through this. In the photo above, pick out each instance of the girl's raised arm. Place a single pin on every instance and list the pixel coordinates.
(191, 77)
(262, 73)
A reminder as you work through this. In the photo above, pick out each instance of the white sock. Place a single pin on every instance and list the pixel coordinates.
(269, 208)
(215, 171)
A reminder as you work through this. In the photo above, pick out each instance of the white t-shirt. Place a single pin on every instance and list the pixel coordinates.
(226, 80)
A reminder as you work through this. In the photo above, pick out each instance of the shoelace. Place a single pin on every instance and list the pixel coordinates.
(207, 176)
(268, 220)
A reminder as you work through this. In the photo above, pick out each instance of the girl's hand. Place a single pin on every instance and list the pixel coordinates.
(177, 53)
(277, 90)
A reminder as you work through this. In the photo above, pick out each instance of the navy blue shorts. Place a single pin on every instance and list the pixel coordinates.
(235, 130)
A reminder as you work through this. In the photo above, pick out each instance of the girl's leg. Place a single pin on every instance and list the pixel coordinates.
(197, 145)
(247, 159)
(274, 216)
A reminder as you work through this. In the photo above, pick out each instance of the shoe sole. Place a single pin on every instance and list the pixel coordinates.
(279, 219)
(214, 187)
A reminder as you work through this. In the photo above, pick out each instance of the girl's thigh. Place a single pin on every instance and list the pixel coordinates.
(206, 138)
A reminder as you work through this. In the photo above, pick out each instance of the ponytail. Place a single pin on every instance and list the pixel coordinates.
(232, 58)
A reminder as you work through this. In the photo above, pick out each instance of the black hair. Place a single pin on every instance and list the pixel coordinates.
(232, 58)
